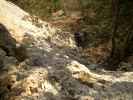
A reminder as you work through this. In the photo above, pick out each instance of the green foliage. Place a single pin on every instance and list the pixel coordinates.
(101, 21)
(55, 1)
(126, 7)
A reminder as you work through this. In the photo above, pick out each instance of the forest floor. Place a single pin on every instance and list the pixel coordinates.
(56, 68)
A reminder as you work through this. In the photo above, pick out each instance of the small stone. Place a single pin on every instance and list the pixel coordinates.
(92, 66)
(86, 98)
(58, 13)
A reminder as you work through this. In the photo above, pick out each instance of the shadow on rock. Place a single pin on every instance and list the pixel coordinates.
(10, 45)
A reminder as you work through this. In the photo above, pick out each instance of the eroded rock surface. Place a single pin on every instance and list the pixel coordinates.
(54, 68)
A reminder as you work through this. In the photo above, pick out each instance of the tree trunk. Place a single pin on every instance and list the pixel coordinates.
(122, 32)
